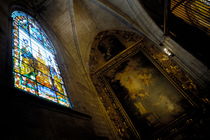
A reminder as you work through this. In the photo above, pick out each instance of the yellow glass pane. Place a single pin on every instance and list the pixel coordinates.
(44, 80)
(58, 87)
(43, 68)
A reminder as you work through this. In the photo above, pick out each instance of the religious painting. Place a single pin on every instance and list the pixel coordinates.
(147, 96)
(109, 47)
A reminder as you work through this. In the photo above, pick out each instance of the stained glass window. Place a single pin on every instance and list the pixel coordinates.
(34, 65)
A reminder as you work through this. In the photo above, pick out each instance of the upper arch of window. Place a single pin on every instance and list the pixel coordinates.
(32, 28)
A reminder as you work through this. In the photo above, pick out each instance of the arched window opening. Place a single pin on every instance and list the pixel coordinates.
(34, 64)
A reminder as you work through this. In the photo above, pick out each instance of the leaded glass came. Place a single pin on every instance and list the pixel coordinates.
(35, 68)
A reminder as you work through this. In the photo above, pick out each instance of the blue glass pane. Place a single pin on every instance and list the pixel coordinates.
(35, 30)
(46, 93)
(47, 44)
(20, 18)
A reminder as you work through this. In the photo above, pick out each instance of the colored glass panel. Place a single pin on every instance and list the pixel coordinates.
(62, 99)
(34, 65)
(44, 80)
(25, 83)
(16, 65)
(58, 87)
(27, 70)
(35, 30)
(47, 93)
(16, 52)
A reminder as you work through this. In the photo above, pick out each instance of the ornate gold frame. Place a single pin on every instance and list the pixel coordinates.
(165, 64)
